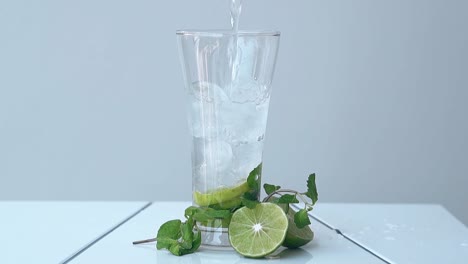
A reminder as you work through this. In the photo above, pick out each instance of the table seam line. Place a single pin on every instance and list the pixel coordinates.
(368, 250)
(112, 229)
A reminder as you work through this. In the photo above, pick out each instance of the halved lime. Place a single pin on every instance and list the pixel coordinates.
(221, 195)
(258, 232)
(296, 237)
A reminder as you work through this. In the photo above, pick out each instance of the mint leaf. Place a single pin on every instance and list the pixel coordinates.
(254, 178)
(301, 218)
(187, 234)
(175, 249)
(249, 203)
(218, 214)
(196, 242)
(190, 241)
(202, 217)
(178, 237)
(203, 214)
(269, 188)
(191, 210)
(165, 242)
(288, 198)
(167, 233)
(250, 198)
(312, 189)
(209, 214)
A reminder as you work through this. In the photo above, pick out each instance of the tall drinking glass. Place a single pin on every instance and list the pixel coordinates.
(228, 78)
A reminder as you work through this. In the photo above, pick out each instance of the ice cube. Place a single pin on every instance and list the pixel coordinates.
(218, 154)
(210, 160)
(246, 157)
(208, 92)
(247, 81)
(242, 91)
(205, 101)
(245, 60)
(244, 122)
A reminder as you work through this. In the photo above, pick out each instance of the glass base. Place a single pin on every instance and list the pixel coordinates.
(216, 237)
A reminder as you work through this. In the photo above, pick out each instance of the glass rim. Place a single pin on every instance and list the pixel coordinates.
(227, 32)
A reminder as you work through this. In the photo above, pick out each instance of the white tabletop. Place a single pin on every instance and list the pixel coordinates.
(51, 232)
(102, 232)
(327, 247)
(401, 233)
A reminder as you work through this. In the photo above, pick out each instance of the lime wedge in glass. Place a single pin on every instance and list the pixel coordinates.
(258, 232)
(225, 195)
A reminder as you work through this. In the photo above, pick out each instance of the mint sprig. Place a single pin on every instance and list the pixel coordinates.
(312, 189)
(179, 237)
(182, 238)
(287, 196)
(250, 198)
(270, 188)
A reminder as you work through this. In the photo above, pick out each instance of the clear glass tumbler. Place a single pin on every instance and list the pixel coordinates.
(228, 78)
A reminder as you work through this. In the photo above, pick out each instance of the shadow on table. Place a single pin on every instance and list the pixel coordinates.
(206, 255)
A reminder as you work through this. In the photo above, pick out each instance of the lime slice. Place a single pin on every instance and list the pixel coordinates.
(296, 237)
(258, 232)
(221, 195)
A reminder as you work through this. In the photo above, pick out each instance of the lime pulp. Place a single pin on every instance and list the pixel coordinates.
(258, 232)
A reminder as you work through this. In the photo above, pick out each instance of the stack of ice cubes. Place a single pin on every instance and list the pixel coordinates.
(227, 119)
(228, 129)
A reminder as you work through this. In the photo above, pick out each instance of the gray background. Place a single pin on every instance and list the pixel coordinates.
(371, 95)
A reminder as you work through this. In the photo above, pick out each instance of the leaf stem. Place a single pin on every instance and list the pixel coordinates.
(286, 191)
(144, 241)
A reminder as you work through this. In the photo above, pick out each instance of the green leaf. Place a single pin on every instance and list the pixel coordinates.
(217, 214)
(301, 218)
(201, 217)
(288, 198)
(269, 188)
(209, 214)
(249, 203)
(312, 189)
(175, 249)
(165, 242)
(250, 196)
(187, 234)
(196, 241)
(191, 210)
(167, 233)
(182, 238)
(254, 178)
